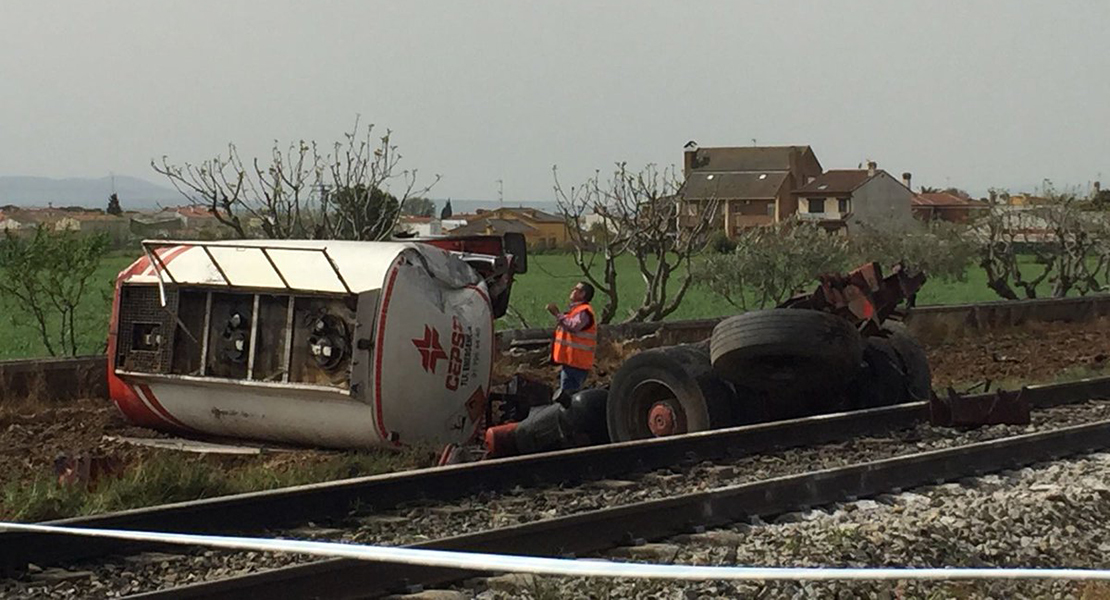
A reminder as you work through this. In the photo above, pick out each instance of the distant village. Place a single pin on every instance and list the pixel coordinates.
(753, 186)
(197, 222)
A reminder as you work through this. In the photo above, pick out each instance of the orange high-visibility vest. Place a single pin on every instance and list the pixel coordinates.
(576, 348)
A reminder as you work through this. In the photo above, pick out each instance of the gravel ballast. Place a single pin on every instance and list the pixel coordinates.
(1051, 515)
(422, 521)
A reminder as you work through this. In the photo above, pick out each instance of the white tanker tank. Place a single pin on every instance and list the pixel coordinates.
(325, 343)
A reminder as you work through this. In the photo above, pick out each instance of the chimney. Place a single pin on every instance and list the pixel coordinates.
(689, 154)
(1097, 186)
(871, 166)
(906, 179)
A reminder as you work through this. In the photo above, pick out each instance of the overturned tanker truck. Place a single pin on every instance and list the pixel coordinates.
(383, 344)
(323, 343)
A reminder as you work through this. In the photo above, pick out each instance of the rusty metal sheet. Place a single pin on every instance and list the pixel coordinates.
(1001, 408)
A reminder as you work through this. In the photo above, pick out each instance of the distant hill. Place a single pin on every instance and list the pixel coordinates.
(134, 193)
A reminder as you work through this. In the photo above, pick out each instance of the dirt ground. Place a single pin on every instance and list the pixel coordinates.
(32, 437)
(1037, 352)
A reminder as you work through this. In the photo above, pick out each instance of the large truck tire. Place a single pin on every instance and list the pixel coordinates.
(915, 362)
(587, 413)
(667, 391)
(786, 350)
(896, 371)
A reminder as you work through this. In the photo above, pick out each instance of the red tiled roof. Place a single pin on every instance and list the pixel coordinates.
(836, 181)
(733, 186)
(497, 226)
(747, 158)
(944, 199)
(92, 216)
(415, 219)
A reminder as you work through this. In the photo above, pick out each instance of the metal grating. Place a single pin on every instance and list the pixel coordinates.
(140, 306)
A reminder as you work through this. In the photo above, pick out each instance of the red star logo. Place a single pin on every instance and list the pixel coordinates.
(430, 350)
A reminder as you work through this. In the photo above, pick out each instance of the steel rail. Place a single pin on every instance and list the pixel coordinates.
(604, 529)
(257, 511)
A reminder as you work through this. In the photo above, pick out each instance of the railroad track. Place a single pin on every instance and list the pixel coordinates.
(605, 529)
(267, 510)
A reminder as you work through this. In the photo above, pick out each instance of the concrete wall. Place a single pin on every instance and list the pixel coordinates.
(85, 377)
(54, 379)
(932, 324)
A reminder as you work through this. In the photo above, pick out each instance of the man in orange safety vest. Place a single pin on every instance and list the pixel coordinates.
(575, 338)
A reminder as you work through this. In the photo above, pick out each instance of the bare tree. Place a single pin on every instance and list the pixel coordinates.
(352, 191)
(635, 213)
(1064, 245)
(46, 277)
(1004, 234)
(598, 241)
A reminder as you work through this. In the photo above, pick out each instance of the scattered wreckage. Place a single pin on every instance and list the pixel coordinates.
(382, 344)
(831, 350)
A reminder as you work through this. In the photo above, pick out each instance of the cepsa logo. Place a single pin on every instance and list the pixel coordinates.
(454, 360)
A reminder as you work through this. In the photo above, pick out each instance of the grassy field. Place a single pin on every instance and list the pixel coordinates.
(21, 339)
(179, 477)
(551, 276)
(549, 279)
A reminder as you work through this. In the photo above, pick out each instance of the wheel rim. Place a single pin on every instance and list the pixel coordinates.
(662, 420)
(656, 411)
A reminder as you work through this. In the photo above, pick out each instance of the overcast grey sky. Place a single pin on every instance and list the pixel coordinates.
(972, 94)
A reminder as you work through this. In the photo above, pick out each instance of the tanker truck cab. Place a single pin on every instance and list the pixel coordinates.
(326, 343)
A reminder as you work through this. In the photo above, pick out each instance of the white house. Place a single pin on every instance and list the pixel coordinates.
(840, 198)
(8, 223)
(420, 226)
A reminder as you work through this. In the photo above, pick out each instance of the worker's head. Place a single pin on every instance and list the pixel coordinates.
(582, 292)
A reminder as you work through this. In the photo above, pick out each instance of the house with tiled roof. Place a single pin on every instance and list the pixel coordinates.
(943, 206)
(753, 186)
(840, 198)
(540, 229)
(420, 226)
(84, 221)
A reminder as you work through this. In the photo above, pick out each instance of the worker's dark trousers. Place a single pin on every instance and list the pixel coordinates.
(572, 378)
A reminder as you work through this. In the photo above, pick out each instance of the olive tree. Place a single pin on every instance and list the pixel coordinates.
(770, 264)
(940, 249)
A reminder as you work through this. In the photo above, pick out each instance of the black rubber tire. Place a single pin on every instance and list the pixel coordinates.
(682, 376)
(786, 350)
(587, 414)
(915, 362)
(896, 371)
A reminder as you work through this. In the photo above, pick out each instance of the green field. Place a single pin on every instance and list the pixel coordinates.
(549, 279)
(551, 276)
(20, 335)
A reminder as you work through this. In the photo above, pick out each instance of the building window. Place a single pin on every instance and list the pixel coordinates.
(816, 205)
(843, 205)
(770, 209)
